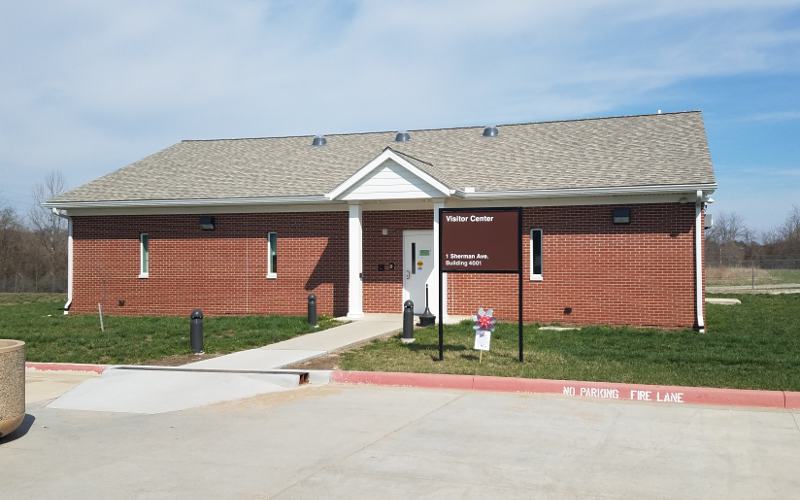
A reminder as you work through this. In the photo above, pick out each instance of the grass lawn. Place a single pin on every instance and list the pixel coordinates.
(50, 336)
(752, 345)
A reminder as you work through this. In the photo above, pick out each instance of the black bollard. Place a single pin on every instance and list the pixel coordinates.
(408, 322)
(427, 318)
(196, 331)
(312, 310)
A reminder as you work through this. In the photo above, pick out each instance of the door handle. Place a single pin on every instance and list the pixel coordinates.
(408, 275)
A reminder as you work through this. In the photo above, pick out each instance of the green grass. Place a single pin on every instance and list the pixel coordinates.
(50, 336)
(753, 345)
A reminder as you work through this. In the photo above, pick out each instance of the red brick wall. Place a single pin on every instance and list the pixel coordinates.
(222, 271)
(639, 274)
(383, 290)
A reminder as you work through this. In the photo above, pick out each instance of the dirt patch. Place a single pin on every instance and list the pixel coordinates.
(324, 362)
(179, 359)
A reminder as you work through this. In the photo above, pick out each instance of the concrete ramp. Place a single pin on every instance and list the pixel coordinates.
(151, 390)
(311, 345)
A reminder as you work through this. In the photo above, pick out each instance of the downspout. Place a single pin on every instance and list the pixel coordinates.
(63, 215)
(698, 260)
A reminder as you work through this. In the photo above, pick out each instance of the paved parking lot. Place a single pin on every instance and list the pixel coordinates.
(365, 442)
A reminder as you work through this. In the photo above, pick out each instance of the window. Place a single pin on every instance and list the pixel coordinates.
(144, 255)
(272, 255)
(536, 255)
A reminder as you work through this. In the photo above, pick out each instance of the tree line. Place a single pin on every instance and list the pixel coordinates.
(33, 245)
(730, 242)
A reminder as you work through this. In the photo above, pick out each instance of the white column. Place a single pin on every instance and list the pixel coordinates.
(355, 289)
(434, 286)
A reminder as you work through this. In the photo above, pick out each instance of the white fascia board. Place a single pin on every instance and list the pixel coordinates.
(707, 189)
(599, 191)
(189, 202)
(379, 160)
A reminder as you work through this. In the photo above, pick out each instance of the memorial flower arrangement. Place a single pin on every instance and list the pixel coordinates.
(484, 326)
(484, 320)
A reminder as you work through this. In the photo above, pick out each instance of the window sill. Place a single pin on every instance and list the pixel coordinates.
(272, 276)
(536, 277)
(143, 275)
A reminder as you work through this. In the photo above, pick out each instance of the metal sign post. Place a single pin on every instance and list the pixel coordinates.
(474, 240)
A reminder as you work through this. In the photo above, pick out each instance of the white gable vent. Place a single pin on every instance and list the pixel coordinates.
(319, 140)
(490, 131)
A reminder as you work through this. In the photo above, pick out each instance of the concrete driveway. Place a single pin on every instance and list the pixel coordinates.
(381, 442)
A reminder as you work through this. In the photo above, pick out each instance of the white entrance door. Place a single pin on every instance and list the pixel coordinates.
(417, 267)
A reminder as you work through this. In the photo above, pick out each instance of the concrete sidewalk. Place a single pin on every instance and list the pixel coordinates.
(145, 390)
(307, 346)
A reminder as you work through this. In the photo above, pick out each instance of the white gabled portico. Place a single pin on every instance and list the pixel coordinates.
(391, 176)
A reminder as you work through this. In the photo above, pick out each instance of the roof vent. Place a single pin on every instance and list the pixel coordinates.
(402, 136)
(319, 140)
(490, 131)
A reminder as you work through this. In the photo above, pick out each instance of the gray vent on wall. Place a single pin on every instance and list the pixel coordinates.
(319, 140)
(490, 131)
(402, 136)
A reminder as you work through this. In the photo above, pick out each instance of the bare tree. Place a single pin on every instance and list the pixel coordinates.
(729, 239)
(791, 228)
(784, 241)
(50, 231)
(729, 227)
(10, 251)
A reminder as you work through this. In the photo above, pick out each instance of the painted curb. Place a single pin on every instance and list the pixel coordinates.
(792, 400)
(580, 389)
(65, 367)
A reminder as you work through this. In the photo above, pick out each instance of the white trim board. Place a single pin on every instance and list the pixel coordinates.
(379, 205)
(380, 160)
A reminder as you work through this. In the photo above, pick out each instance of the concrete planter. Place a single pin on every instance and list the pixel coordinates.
(12, 385)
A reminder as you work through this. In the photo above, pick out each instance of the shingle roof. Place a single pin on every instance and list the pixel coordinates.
(662, 149)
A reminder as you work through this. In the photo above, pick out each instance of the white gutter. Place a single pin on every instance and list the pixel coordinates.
(698, 259)
(64, 215)
(191, 202)
(321, 199)
(597, 191)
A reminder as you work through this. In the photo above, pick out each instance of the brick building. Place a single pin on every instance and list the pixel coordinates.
(252, 226)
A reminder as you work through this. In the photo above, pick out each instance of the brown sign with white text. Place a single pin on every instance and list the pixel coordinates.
(480, 241)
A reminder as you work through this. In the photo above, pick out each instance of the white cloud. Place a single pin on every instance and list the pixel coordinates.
(92, 85)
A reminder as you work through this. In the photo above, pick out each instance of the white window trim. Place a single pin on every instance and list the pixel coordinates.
(535, 277)
(142, 272)
(271, 274)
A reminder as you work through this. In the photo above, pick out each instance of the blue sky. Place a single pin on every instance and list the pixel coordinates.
(89, 86)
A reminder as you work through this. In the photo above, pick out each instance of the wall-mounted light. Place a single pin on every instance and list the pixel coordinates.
(385, 231)
(622, 216)
(206, 223)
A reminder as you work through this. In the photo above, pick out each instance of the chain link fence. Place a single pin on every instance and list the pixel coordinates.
(762, 273)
